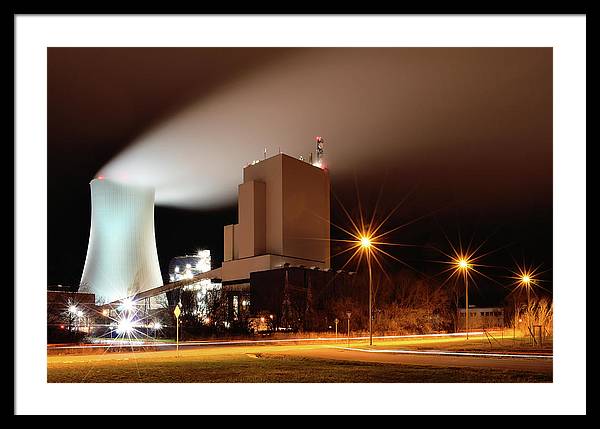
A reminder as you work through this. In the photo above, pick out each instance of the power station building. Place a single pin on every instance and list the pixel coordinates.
(283, 221)
(276, 257)
(121, 258)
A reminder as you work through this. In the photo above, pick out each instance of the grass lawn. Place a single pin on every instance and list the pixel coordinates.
(265, 368)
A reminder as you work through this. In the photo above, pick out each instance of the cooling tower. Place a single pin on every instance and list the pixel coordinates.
(121, 258)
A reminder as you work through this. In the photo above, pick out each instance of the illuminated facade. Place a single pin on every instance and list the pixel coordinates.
(121, 258)
(283, 220)
(283, 217)
(187, 267)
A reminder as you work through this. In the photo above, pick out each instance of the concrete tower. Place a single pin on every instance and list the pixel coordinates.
(121, 258)
(283, 217)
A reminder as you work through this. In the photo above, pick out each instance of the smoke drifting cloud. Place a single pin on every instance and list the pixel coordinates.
(476, 119)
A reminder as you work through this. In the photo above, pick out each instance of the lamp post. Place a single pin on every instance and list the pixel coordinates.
(463, 266)
(336, 328)
(348, 314)
(365, 244)
(72, 313)
(515, 322)
(526, 282)
(177, 312)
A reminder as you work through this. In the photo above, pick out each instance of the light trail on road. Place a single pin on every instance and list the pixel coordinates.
(447, 353)
(241, 342)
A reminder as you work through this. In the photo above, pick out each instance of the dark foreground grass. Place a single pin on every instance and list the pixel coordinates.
(271, 368)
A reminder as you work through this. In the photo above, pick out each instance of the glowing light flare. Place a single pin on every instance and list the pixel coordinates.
(125, 326)
(526, 278)
(366, 238)
(464, 262)
(365, 242)
(127, 304)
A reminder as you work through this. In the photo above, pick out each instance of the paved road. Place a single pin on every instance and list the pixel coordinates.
(323, 351)
(542, 365)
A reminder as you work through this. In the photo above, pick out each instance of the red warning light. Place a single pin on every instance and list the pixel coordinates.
(100, 177)
(62, 326)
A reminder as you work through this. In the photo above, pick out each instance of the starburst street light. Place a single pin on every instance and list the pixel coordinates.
(367, 240)
(525, 282)
(127, 304)
(365, 244)
(72, 313)
(125, 326)
(368, 244)
(462, 264)
(526, 278)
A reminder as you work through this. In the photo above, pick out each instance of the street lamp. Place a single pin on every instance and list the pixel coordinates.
(526, 278)
(463, 265)
(525, 282)
(72, 314)
(365, 244)
(156, 326)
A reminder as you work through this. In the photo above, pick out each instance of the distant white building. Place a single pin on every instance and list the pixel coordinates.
(482, 317)
(188, 266)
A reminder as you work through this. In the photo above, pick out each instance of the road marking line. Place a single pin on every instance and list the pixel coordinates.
(440, 352)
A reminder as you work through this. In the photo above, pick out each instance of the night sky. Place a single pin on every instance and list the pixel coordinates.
(464, 134)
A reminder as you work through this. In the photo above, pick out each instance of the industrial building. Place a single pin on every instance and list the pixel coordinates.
(276, 257)
(296, 298)
(70, 310)
(283, 217)
(481, 317)
(283, 220)
(187, 267)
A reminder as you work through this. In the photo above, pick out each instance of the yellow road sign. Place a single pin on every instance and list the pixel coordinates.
(177, 311)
